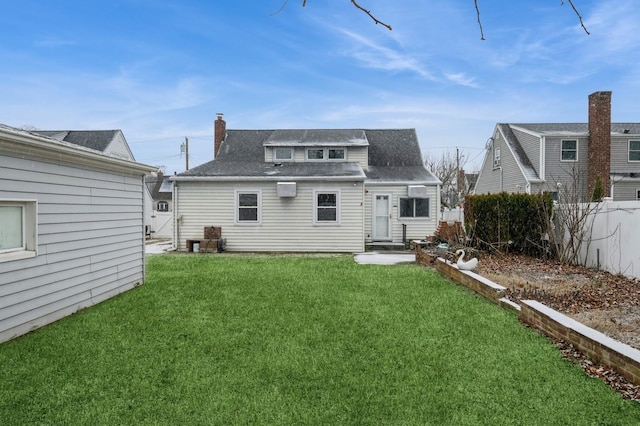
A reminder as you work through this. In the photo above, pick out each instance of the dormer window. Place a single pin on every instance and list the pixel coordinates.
(282, 154)
(314, 154)
(326, 154)
(336, 153)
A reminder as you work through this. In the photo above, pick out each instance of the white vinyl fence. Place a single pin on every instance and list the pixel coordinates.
(453, 215)
(615, 239)
(161, 224)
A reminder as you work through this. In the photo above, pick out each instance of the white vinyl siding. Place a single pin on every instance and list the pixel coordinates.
(119, 148)
(90, 243)
(417, 228)
(287, 223)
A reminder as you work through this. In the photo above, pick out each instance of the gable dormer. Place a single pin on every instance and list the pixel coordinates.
(320, 145)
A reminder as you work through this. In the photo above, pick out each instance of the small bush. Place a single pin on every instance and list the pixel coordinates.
(508, 222)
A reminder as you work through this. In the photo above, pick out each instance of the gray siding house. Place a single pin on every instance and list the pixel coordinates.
(539, 157)
(71, 228)
(308, 190)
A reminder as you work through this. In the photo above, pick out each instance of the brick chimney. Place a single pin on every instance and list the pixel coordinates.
(599, 162)
(219, 133)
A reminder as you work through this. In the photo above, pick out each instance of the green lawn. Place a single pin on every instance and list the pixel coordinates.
(223, 339)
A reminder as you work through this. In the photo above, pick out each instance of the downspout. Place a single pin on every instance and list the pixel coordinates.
(176, 229)
(501, 178)
(144, 231)
(362, 203)
(438, 205)
(543, 148)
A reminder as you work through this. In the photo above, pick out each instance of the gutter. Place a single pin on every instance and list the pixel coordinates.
(265, 178)
(27, 142)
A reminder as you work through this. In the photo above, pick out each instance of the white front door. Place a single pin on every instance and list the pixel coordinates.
(382, 217)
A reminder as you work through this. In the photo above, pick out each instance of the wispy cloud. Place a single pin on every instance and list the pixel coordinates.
(462, 79)
(614, 24)
(377, 56)
(54, 42)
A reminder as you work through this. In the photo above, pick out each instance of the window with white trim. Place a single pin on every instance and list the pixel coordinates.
(637, 194)
(326, 154)
(413, 207)
(634, 150)
(336, 153)
(282, 154)
(326, 206)
(248, 207)
(496, 156)
(163, 206)
(17, 229)
(569, 148)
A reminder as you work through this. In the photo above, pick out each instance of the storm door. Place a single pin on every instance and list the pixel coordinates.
(382, 217)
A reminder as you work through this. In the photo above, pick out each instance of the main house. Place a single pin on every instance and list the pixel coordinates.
(569, 157)
(71, 228)
(308, 190)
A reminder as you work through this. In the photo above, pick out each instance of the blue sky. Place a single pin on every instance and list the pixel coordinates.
(161, 70)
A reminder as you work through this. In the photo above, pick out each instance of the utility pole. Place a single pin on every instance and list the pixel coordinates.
(186, 156)
(185, 148)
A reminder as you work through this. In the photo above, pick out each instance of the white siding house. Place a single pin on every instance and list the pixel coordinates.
(71, 229)
(308, 190)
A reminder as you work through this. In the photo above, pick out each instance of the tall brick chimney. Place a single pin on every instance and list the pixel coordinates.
(219, 133)
(599, 162)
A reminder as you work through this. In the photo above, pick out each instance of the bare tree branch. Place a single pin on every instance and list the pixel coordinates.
(376, 20)
(577, 13)
(479, 22)
(282, 8)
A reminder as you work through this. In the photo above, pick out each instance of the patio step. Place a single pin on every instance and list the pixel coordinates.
(386, 246)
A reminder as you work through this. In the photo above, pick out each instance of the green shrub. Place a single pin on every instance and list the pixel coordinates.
(508, 222)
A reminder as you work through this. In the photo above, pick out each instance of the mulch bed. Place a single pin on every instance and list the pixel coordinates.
(577, 292)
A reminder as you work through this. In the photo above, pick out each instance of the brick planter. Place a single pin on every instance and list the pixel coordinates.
(597, 346)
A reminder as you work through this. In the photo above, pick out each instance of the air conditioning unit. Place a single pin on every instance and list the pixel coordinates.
(286, 189)
(417, 191)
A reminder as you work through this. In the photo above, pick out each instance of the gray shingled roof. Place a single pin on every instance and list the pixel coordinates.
(313, 137)
(518, 152)
(547, 129)
(160, 187)
(394, 155)
(97, 140)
